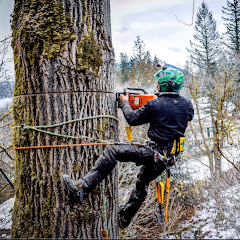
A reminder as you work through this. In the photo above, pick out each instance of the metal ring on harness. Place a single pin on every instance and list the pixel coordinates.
(169, 161)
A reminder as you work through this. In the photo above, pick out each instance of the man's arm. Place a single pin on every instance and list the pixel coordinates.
(138, 116)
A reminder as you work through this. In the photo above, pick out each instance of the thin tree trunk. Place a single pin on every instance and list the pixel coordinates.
(63, 71)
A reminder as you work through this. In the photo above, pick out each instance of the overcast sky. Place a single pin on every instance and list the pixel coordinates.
(157, 24)
(154, 20)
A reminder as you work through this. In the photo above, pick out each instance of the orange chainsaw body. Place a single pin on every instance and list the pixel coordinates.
(137, 101)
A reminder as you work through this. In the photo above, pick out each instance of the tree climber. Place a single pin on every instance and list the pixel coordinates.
(168, 116)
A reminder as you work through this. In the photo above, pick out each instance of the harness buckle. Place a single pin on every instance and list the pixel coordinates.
(150, 143)
(165, 158)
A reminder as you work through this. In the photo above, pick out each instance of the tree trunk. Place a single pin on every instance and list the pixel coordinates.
(64, 64)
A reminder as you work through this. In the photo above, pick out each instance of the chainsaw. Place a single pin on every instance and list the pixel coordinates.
(137, 99)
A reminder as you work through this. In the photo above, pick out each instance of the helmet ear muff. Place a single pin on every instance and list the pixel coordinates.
(174, 86)
(172, 83)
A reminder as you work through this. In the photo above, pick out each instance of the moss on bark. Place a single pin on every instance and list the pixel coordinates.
(89, 54)
(40, 28)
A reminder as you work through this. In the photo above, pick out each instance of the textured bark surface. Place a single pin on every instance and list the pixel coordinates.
(64, 70)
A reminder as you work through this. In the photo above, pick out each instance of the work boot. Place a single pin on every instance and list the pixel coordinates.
(76, 187)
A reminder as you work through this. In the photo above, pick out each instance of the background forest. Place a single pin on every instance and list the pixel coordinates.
(205, 189)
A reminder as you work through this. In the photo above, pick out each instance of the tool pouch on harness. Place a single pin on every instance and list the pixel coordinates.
(169, 152)
(178, 145)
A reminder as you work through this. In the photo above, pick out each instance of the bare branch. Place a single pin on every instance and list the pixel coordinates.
(5, 39)
(6, 124)
(4, 187)
(227, 158)
(6, 164)
(192, 16)
(195, 136)
(5, 150)
(5, 115)
(5, 176)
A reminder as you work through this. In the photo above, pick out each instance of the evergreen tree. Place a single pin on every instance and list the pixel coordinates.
(232, 22)
(124, 67)
(139, 50)
(142, 69)
(156, 61)
(204, 50)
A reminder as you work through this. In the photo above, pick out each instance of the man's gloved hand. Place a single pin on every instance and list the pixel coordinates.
(124, 97)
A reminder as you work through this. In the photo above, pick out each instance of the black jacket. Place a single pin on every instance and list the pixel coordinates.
(168, 116)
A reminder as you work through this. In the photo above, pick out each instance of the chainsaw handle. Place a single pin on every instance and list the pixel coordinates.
(135, 89)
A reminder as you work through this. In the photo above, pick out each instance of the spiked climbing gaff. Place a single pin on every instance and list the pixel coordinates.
(167, 191)
(159, 197)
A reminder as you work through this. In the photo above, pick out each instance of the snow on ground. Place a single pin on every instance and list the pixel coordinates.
(198, 169)
(5, 102)
(204, 224)
(6, 216)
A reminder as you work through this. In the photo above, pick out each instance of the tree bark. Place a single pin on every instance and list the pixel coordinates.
(64, 65)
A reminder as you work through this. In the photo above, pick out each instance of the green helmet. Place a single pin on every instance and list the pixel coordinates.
(170, 80)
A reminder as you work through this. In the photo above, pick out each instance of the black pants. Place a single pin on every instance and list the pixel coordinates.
(126, 153)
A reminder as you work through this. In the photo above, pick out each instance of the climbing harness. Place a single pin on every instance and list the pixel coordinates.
(178, 146)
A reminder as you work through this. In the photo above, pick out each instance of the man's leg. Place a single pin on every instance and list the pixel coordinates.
(148, 173)
(106, 163)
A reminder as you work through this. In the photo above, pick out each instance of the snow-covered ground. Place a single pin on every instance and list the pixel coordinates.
(203, 224)
(6, 217)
